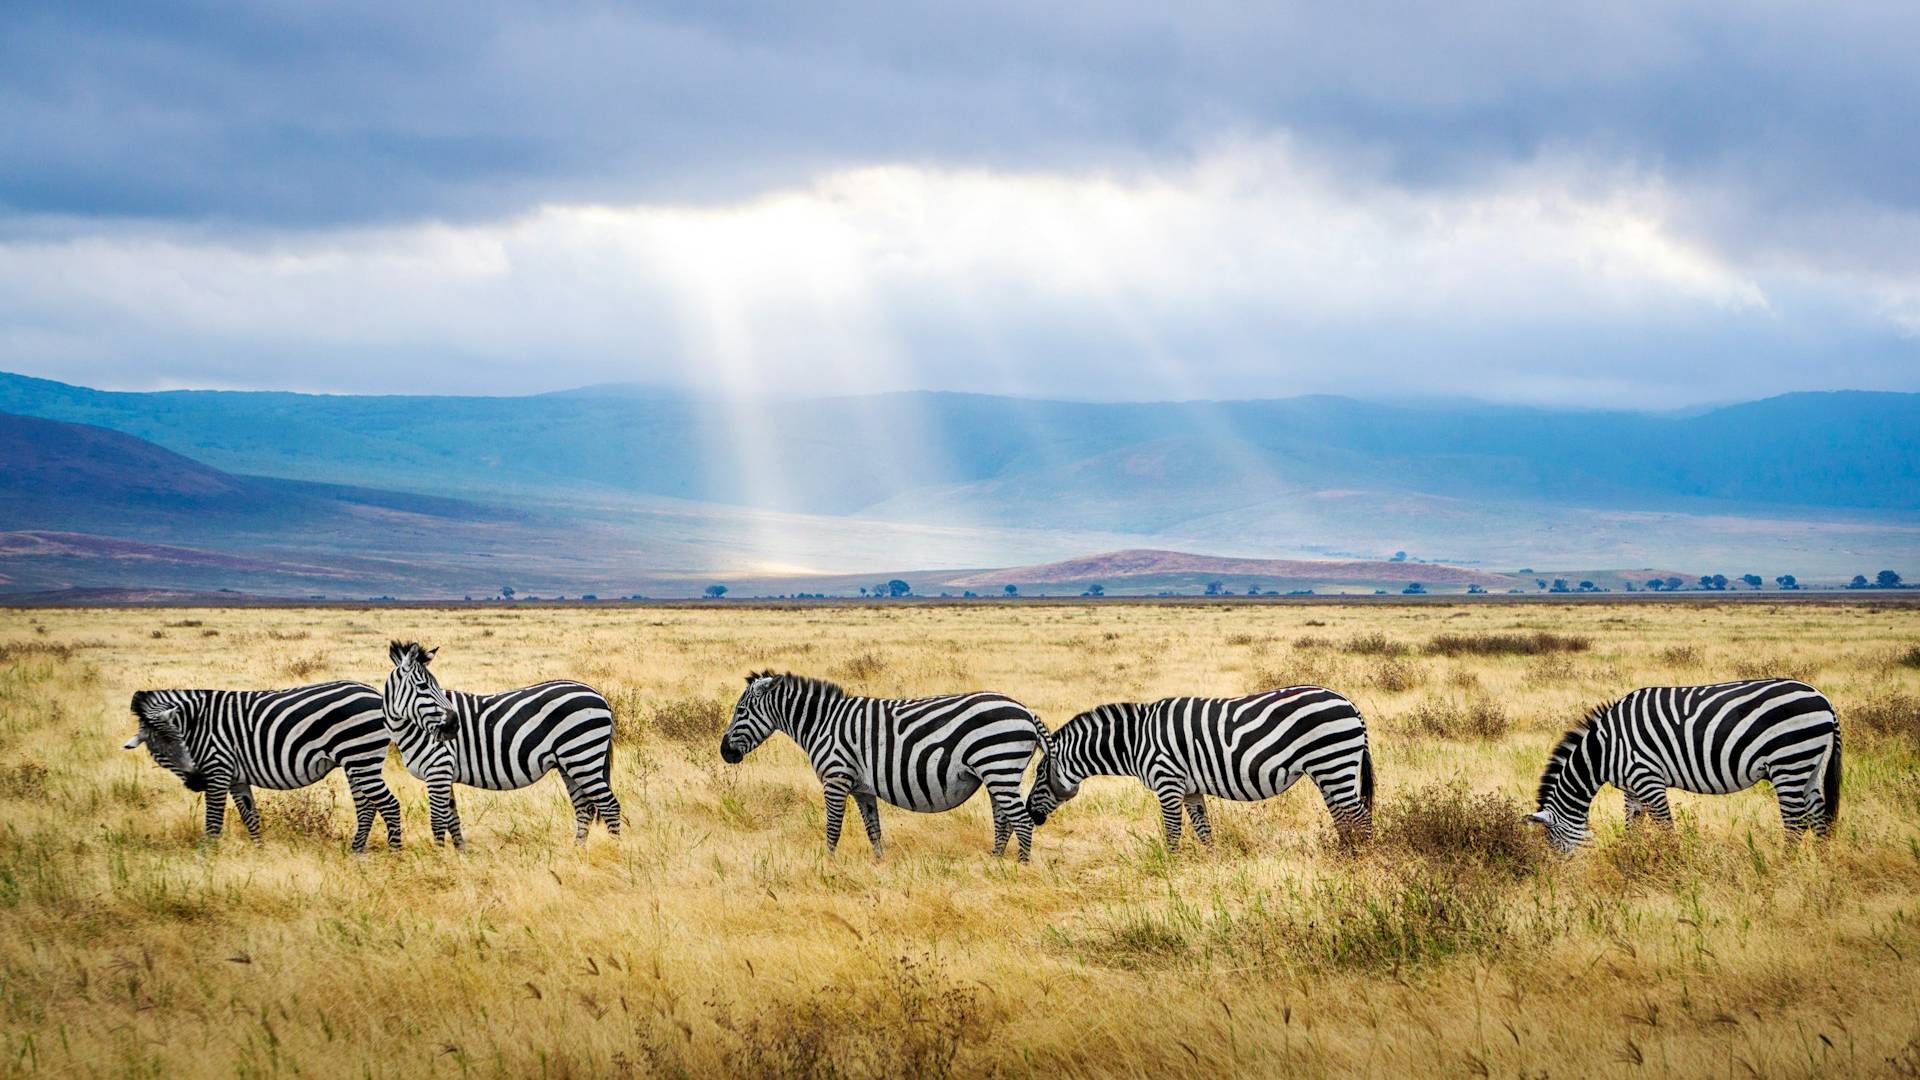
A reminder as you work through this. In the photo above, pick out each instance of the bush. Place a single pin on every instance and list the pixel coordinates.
(688, 719)
(301, 667)
(306, 812)
(862, 666)
(1374, 644)
(1507, 644)
(1479, 717)
(1680, 655)
(911, 1021)
(20, 650)
(1449, 824)
(1910, 658)
(1891, 715)
(1396, 675)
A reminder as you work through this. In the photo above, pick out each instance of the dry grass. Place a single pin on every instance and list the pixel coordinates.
(716, 938)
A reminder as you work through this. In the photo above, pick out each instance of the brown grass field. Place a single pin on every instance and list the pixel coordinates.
(718, 938)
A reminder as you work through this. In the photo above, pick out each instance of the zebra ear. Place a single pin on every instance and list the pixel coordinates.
(426, 655)
(134, 743)
(1540, 817)
(396, 653)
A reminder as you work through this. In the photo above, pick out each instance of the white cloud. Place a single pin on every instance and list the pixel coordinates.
(1256, 269)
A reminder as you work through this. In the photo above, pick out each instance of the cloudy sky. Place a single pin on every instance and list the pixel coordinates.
(1650, 205)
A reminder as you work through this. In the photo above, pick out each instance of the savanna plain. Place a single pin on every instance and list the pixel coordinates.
(717, 937)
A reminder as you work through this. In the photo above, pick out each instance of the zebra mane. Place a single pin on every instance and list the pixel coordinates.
(823, 687)
(1562, 751)
(139, 703)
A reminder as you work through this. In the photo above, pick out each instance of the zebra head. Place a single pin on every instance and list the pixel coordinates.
(413, 695)
(1054, 782)
(754, 717)
(1567, 787)
(161, 715)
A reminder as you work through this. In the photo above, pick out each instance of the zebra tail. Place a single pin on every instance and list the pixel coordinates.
(1830, 782)
(1366, 778)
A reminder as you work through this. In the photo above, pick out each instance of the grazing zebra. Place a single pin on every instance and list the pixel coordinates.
(1186, 748)
(500, 741)
(1710, 739)
(228, 742)
(924, 754)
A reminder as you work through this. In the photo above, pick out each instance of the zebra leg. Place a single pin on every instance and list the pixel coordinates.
(836, 810)
(1352, 818)
(1799, 801)
(583, 810)
(1010, 812)
(216, 809)
(370, 797)
(609, 808)
(1197, 810)
(870, 815)
(1171, 802)
(441, 810)
(249, 813)
(1002, 829)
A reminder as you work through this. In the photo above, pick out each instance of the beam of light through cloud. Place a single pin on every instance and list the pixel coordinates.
(1258, 269)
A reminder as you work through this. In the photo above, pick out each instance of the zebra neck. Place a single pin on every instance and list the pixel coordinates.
(1105, 742)
(1579, 778)
(811, 721)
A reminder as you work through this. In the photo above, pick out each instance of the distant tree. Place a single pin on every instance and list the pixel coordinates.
(879, 590)
(1753, 581)
(1541, 582)
(969, 595)
(589, 596)
(1886, 579)
(1674, 583)
(1215, 588)
(1560, 585)
(506, 592)
(1859, 582)
(1012, 590)
(1475, 590)
(896, 587)
(1398, 556)
(1524, 570)
(1588, 586)
(1787, 581)
(1720, 581)
(1414, 588)
(1253, 589)
(1096, 589)
(715, 592)
(1655, 584)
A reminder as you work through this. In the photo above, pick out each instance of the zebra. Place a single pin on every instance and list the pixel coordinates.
(499, 741)
(227, 742)
(1715, 740)
(924, 754)
(1246, 748)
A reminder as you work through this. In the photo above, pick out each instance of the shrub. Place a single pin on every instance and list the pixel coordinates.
(26, 780)
(306, 812)
(1910, 658)
(1507, 644)
(1892, 715)
(1374, 644)
(288, 635)
(301, 667)
(862, 666)
(1478, 717)
(912, 1021)
(688, 719)
(1449, 824)
(1310, 642)
(1680, 655)
(1396, 675)
(20, 650)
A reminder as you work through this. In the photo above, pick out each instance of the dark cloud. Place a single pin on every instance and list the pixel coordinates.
(295, 115)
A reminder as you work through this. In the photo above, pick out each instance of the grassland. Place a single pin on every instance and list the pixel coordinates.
(718, 937)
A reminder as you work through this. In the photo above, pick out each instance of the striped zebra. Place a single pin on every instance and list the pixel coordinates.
(500, 741)
(1714, 740)
(228, 742)
(924, 754)
(1246, 748)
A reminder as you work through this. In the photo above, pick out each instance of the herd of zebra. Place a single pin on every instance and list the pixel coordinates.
(932, 754)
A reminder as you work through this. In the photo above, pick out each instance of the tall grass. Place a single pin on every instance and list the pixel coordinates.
(716, 937)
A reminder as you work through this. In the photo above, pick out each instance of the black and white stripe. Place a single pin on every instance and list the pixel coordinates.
(500, 741)
(924, 754)
(1186, 748)
(228, 742)
(1709, 739)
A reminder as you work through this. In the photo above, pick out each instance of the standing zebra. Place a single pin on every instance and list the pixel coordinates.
(500, 741)
(924, 754)
(1709, 739)
(227, 742)
(1186, 748)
